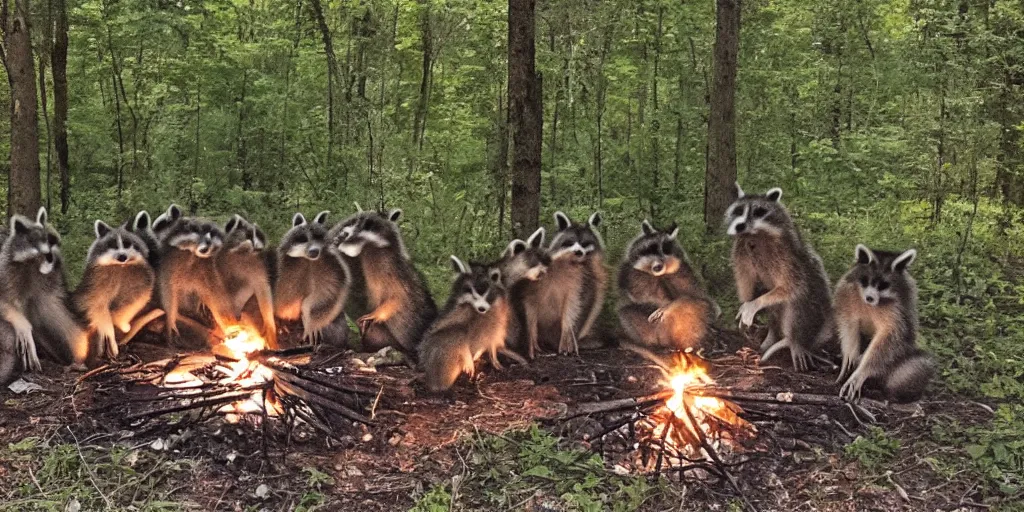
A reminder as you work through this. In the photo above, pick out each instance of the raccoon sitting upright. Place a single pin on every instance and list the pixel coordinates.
(473, 322)
(243, 266)
(876, 313)
(313, 281)
(662, 303)
(520, 269)
(399, 302)
(33, 295)
(189, 267)
(116, 286)
(569, 298)
(142, 227)
(777, 271)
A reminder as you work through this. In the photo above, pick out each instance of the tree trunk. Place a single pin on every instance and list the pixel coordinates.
(59, 58)
(419, 123)
(333, 77)
(23, 187)
(720, 173)
(526, 117)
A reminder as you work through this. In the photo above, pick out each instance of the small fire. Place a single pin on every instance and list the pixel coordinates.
(687, 421)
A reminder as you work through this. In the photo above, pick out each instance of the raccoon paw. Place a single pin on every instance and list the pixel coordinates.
(27, 348)
(312, 337)
(845, 369)
(851, 389)
(125, 327)
(108, 341)
(747, 313)
(365, 322)
(657, 316)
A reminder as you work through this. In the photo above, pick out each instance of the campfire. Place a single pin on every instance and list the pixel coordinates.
(688, 424)
(240, 379)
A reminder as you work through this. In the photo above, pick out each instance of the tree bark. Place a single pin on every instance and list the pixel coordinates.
(720, 173)
(59, 63)
(526, 117)
(419, 124)
(23, 187)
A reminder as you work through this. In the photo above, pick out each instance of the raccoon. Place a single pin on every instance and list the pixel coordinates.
(566, 303)
(142, 227)
(33, 295)
(521, 268)
(116, 286)
(473, 322)
(876, 314)
(165, 221)
(313, 281)
(243, 266)
(399, 302)
(662, 303)
(777, 271)
(189, 266)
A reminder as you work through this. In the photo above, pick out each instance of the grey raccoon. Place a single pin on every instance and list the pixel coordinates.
(566, 303)
(521, 267)
(399, 302)
(876, 313)
(313, 281)
(33, 296)
(662, 303)
(243, 267)
(189, 266)
(473, 322)
(116, 285)
(777, 271)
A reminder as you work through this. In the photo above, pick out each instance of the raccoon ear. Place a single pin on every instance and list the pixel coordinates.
(100, 228)
(595, 219)
(395, 214)
(495, 275)
(673, 232)
(536, 240)
(739, 190)
(321, 218)
(562, 221)
(863, 254)
(41, 216)
(647, 228)
(904, 260)
(174, 212)
(298, 220)
(232, 224)
(515, 247)
(774, 194)
(458, 266)
(142, 221)
(19, 225)
(259, 238)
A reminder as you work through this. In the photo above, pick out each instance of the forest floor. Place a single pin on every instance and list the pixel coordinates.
(498, 442)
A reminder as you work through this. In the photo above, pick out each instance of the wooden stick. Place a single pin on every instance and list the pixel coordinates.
(187, 407)
(588, 408)
(783, 397)
(312, 398)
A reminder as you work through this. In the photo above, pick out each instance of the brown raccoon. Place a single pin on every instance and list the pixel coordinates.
(116, 286)
(521, 267)
(662, 304)
(243, 265)
(473, 322)
(876, 312)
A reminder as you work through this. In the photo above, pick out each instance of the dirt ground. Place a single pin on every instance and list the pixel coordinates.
(796, 462)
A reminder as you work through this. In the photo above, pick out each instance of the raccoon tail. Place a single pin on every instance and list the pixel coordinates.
(10, 366)
(910, 378)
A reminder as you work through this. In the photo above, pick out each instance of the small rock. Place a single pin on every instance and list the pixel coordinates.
(367, 438)
(618, 469)
(232, 456)
(395, 439)
(158, 445)
(354, 472)
(73, 505)
(262, 491)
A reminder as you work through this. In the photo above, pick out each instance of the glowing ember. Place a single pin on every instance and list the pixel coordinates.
(671, 426)
(240, 343)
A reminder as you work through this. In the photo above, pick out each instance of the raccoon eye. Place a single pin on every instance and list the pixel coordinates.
(370, 225)
(864, 282)
(567, 243)
(760, 211)
(736, 212)
(484, 287)
(52, 239)
(301, 239)
(882, 286)
(588, 245)
(666, 247)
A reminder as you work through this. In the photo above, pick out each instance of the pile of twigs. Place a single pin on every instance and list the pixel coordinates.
(140, 393)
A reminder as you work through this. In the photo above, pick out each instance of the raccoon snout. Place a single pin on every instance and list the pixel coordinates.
(313, 253)
(657, 267)
(869, 299)
(579, 253)
(482, 309)
(741, 227)
(121, 257)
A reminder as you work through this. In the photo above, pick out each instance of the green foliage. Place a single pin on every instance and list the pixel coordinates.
(55, 476)
(873, 450)
(504, 472)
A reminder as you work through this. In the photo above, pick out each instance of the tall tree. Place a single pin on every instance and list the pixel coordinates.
(23, 187)
(720, 173)
(525, 115)
(59, 66)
